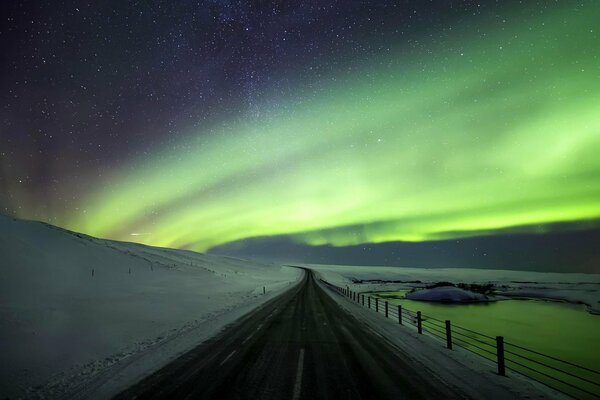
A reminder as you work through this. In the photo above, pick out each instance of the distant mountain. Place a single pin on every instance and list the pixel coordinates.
(577, 251)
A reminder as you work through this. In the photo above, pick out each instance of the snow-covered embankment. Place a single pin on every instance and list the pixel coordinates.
(72, 307)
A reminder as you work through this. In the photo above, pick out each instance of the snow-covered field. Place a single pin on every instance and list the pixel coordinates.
(73, 307)
(574, 288)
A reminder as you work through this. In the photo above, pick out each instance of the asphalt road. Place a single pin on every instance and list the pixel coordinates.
(301, 345)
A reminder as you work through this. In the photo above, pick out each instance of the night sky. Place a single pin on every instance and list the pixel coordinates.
(339, 124)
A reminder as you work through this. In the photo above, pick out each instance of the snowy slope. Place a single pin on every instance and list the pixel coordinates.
(73, 305)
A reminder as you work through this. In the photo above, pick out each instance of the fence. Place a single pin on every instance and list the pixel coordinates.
(567, 377)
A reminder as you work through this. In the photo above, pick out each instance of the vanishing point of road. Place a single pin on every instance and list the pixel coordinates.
(299, 345)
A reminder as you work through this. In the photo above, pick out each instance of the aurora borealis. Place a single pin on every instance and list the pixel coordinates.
(475, 123)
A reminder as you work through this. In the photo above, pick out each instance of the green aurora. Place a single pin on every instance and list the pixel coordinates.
(493, 129)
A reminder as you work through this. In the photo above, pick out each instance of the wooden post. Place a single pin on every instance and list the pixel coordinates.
(363, 300)
(264, 290)
(369, 301)
(448, 335)
(419, 322)
(376, 304)
(399, 314)
(386, 309)
(500, 354)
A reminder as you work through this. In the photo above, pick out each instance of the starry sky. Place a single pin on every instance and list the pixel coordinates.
(326, 123)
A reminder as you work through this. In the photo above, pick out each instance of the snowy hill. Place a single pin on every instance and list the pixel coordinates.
(73, 306)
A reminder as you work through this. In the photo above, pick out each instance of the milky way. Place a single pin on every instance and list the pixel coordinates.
(493, 125)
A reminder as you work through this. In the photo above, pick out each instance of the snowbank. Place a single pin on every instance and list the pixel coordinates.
(72, 306)
(448, 294)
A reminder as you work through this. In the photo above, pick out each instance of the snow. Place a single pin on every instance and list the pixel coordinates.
(79, 312)
(471, 374)
(448, 294)
(580, 294)
(575, 288)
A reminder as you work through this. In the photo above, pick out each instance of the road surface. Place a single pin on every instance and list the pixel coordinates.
(301, 345)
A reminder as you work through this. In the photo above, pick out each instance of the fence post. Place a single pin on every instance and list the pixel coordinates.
(386, 309)
(369, 301)
(419, 322)
(376, 304)
(399, 314)
(500, 354)
(448, 335)
(363, 300)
